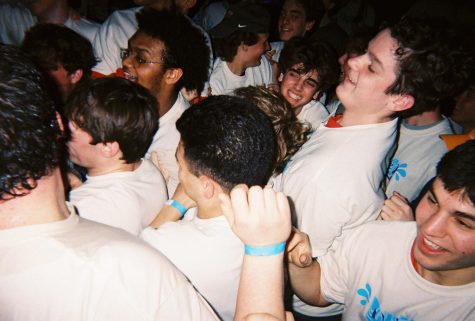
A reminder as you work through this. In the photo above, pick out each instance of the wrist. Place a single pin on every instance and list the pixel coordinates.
(177, 205)
(266, 250)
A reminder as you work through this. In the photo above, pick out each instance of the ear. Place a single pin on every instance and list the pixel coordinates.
(75, 76)
(208, 186)
(402, 102)
(59, 119)
(309, 25)
(173, 75)
(110, 149)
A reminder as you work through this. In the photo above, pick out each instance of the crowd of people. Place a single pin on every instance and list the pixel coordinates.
(161, 165)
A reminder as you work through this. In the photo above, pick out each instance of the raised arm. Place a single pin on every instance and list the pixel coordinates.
(261, 219)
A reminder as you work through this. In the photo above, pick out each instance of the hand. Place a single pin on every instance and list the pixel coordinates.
(299, 250)
(396, 208)
(74, 180)
(269, 54)
(257, 216)
(156, 161)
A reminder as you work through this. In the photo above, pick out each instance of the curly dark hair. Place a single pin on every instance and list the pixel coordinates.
(433, 63)
(290, 133)
(457, 171)
(226, 48)
(185, 45)
(311, 56)
(115, 110)
(50, 45)
(28, 128)
(229, 139)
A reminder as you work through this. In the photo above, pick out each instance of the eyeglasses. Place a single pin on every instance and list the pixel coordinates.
(126, 53)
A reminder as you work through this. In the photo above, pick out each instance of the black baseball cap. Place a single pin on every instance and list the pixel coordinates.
(244, 16)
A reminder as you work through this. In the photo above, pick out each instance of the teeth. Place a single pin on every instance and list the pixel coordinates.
(432, 245)
(130, 77)
(293, 96)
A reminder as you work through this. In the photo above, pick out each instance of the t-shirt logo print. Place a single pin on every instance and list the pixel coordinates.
(375, 312)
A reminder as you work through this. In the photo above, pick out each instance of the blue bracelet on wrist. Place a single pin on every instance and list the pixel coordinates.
(266, 250)
(177, 205)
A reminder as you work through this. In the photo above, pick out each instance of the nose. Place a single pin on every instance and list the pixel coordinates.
(435, 225)
(127, 62)
(358, 62)
(299, 83)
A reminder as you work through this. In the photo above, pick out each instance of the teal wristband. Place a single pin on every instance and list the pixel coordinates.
(266, 250)
(177, 205)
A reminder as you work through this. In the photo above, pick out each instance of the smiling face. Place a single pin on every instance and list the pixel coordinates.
(299, 89)
(445, 243)
(292, 21)
(368, 76)
(144, 64)
(254, 52)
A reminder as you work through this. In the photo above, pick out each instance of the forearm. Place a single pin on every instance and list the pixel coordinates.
(306, 283)
(261, 287)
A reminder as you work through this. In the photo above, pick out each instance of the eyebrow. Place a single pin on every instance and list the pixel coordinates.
(138, 48)
(457, 213)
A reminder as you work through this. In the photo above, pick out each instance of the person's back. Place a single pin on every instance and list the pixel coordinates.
(54, 264)
(224, 141)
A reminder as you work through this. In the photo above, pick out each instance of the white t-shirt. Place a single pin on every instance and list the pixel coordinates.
(166, 139)
(313, 113)
(418, 152)
(127, 200)
(371, 273)
(15, 20)
(334, 180)
(207, 252)
(76, 270)
(223, 81)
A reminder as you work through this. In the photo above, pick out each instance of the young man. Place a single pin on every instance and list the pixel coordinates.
(423, 270)
(112, 122)
(158, 58)
(63, 54)
(225, 141)
(296, 19)
(240, 41)
(54, 264)
(334, 181)
(419, 145)
(308, 70)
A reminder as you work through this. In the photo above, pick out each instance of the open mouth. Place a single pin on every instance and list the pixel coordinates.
(130, 77)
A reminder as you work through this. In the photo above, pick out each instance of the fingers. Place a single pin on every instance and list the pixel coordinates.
(299, 251)
(397, 208)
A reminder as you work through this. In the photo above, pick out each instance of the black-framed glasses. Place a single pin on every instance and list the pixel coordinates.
(126, 53)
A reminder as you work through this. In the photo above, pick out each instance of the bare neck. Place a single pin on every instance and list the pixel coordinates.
(352, 119)
(236, 67)
(43, 204)
(425, 119)
(166, 100)
(113, 168)
(210, 209)
(449, 277)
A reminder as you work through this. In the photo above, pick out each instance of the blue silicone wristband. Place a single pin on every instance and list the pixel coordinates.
(266, 250)
(180, 208)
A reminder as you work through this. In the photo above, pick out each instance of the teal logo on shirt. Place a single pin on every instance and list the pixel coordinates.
(397, 169)
(375, 312)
